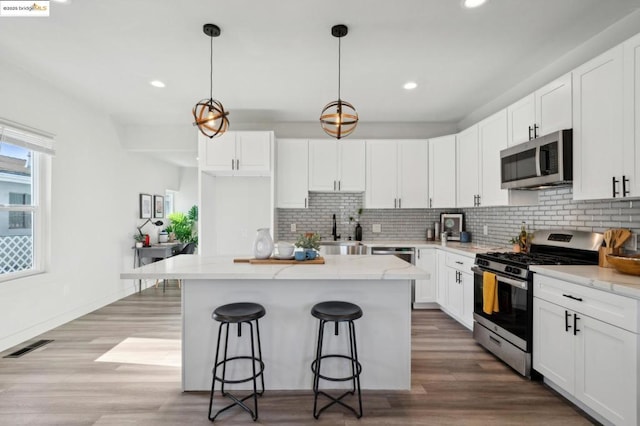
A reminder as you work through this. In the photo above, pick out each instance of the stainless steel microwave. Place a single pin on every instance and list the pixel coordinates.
(544, 161)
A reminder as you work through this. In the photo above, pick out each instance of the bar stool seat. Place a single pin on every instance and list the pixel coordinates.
(238, 313)
(336, 312)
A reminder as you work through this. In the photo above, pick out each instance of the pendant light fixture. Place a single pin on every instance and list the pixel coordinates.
(339, 118)
(210, 116)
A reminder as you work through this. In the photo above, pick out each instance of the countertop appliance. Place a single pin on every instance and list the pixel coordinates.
(408, 254)
(508, 333)
(544, 161)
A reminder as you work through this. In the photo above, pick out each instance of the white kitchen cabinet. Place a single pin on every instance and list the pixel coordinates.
(478, 165)
(426, 290)
(467, 167)
(598, 127)
(631, 109)
(546, 110)
(585, 344)
(442, 278)
(292, 173)
(236, 153)
(337, 165)
(397, 174)
(492, 138)
(458, 288)
(442, 172)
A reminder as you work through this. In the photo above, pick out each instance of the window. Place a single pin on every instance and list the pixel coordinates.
(24, 168)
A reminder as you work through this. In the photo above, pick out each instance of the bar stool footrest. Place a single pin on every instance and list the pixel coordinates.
(337, 379)
(227, 381)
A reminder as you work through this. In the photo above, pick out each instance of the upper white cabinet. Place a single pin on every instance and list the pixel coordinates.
(546, 110)
(478, 166)
(397, 174)
(442, 172)
(236, 153)
(291, 173)
(467, 167)
(631, 107)
(598, 146)
(337, 165)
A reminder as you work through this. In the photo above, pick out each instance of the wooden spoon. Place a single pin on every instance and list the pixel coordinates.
(622, 237)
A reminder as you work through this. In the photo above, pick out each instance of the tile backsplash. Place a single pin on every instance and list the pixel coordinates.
(556, 209)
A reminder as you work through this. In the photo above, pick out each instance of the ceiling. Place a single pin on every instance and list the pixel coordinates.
(276, 60)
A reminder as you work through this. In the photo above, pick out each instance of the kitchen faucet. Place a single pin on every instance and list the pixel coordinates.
(334, 230)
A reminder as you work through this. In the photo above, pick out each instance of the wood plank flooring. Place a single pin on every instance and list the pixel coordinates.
(454, 381)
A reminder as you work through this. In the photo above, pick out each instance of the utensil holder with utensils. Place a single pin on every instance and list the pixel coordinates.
(614, 239)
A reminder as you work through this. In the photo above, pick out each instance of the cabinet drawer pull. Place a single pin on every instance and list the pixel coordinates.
(496, 341)
(579, 299)
(575, 325)
(566, 321)
(459, 263)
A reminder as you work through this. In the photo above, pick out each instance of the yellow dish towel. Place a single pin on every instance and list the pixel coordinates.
(489, 293)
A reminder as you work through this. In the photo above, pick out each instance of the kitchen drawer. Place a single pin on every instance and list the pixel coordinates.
(459, 262)
(611, 308)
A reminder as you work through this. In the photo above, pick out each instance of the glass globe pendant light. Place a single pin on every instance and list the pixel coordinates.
(339, 118)
(209, 114)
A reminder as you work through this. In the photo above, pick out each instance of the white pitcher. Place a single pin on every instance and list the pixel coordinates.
(263, 244)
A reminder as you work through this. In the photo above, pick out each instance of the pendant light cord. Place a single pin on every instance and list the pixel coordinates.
(339, 50)
(211, 70)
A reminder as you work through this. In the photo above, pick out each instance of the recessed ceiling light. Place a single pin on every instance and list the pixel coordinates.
(157, 83)
(410, 85)
(470, 4)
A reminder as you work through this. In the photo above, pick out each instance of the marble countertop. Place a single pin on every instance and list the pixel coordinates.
(222, 267)
(606, 279)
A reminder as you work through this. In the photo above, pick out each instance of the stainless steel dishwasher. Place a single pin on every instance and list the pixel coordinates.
(408, 254)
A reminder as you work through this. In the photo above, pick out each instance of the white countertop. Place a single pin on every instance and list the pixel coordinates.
(606, 279)
(336, 267)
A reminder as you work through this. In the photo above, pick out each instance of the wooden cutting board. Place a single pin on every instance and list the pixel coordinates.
(273, 261)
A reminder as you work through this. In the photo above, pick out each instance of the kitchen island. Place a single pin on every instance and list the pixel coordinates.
(380, 285)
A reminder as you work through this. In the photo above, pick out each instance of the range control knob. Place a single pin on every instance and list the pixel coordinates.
(515, 271)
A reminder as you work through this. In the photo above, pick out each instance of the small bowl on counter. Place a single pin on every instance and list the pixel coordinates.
(626, 264)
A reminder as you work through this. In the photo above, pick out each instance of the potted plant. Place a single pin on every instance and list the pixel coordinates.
(184, 226)
(139, 239)
(310, 243)
(516, 244)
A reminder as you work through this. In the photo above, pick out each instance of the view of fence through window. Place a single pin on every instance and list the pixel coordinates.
(16, 230)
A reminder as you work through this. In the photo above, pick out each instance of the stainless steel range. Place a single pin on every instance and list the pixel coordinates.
(508, 332)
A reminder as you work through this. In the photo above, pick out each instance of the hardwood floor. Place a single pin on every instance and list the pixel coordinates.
(454, 381)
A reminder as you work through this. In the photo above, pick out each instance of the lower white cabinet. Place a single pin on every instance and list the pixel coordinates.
(590, 361)
(455, 287)
(426, 290)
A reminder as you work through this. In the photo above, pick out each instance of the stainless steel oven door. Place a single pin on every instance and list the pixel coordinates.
(513, 322)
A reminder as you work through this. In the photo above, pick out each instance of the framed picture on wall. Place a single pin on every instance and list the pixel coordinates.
(158, 203)
(145, 206)
(452, 224)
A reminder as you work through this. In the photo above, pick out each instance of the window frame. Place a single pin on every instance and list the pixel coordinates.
(40, 145)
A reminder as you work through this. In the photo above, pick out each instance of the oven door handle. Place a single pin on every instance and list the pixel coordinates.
(515, 283)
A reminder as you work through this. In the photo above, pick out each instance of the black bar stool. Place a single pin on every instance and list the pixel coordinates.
(238, 313)
(336, 312)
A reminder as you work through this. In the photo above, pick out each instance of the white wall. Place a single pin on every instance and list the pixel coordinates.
(187, 191)
(94, 209)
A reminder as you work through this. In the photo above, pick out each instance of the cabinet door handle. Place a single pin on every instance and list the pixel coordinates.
(399, 203)
(430, 202)
(566, 321)
(575, 324)
(334, 185)
(613, 185)
(339, 185)
(478, 205)
(579, 299)
(530, 133)
(233, 167)
(625, 191)
(237, 164)
(395, 203)
(535, 131)
(459, 263)
(305, 202)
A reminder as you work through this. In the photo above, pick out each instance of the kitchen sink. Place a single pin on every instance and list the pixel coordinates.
(342, 247)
